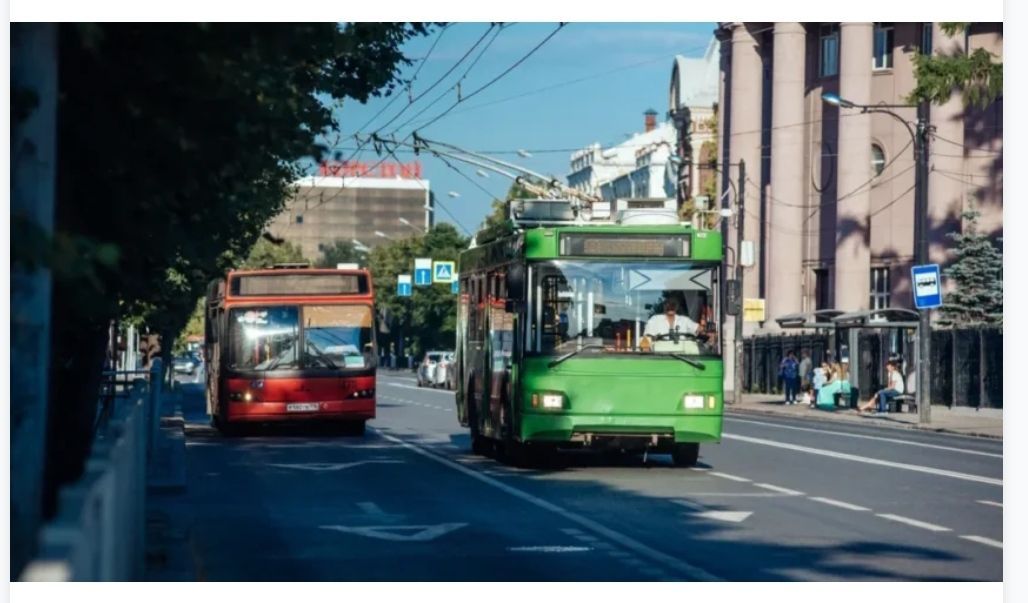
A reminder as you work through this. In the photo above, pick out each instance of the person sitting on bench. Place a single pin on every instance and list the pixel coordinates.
(882, 398)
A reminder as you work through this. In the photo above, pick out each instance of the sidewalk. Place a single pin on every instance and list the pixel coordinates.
(987, 422)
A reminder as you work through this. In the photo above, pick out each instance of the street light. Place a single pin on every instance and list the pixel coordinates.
(361, 247)
(406, 222)
(919, 138)
(453, 194)
(379, 233)
(524, 153)
(482, 173)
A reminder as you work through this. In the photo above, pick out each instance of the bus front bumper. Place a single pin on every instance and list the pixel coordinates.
(627, 430)
(349, 410)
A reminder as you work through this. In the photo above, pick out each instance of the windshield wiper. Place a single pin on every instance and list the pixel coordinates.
(557, 361)
(689, 361)
(321, 355)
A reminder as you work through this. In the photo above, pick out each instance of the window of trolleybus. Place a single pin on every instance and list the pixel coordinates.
(334, 337)
(603, 307)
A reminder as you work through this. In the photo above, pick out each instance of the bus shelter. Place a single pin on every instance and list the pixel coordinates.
(852, 323)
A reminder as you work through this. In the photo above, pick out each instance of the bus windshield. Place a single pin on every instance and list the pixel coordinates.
(268, 338)
(623, 307)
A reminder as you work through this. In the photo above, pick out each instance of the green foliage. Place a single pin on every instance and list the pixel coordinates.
(194, 327)
(266, 253)
(341, 252)
(976, 75)
(978, 274)
(428, 317)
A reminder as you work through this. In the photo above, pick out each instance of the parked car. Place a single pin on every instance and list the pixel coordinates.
(434, 369)
(187, 364)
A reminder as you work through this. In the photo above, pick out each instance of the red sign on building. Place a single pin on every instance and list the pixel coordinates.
(357, 169)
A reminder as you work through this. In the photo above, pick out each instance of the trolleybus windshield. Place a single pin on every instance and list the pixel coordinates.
(624, 307)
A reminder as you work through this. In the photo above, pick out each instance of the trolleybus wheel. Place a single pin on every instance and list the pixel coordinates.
(685, 455)
(355, 428)
(479, 445)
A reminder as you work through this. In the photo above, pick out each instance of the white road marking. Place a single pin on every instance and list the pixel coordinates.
(327, 466)
(420, 389)
(549, 549)
(422, 533)
(734, 478)
(730, 516)
(689, 504)
(991, 503)
(868, 437)
(739, 494)
(779, 489)
(371, 508)
(682, 567)
(984, 540)
(868, 460)
(839, 503)
(914, 522)
(699, 468)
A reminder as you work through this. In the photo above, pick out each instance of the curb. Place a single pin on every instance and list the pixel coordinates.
(898, 426)
(168, 471)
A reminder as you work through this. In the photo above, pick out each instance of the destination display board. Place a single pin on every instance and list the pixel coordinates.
(265, 285)
(625, 245)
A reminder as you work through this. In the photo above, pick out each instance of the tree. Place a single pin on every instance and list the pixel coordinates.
(177, 143)
(341, 253)
(976, 75)
(429, 316)
(978, 275)
(266, 253)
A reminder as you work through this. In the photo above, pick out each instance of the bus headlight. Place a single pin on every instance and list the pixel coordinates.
(692, 401)
(548, 400)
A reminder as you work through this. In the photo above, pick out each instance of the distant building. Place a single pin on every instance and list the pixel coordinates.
(635, 168)
(346, 202)
(693, 96)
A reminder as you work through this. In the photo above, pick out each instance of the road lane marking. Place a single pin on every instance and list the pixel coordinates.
(739, 494)
(682, 567)
(863, 459)
(991, 503)
(549, 548)
(984, 540)
(328, 466)
(839, 503)
(734, 478)
(421, 533)
(914, 522)
(420, 389)
(371, 508)
(868, 437)
(779, 489)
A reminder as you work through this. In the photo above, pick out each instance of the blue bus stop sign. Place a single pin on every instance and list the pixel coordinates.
(927, 286)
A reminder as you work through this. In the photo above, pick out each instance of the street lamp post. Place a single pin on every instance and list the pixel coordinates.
(407, 222)
(919, 138)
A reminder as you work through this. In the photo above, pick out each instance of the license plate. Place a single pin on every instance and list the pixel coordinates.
(302, 407)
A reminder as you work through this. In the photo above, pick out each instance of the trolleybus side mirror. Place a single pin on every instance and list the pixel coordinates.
(511, 306)
(516, 282)
(733, 298)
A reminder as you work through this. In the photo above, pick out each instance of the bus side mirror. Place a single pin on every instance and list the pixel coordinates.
(511, 306)
(733, 298)
(516, 281)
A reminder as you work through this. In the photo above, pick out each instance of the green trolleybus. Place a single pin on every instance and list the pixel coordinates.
(602, 332)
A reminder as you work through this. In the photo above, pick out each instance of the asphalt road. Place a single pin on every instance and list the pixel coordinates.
(776, 500)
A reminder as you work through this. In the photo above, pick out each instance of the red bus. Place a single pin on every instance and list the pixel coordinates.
(290, 343)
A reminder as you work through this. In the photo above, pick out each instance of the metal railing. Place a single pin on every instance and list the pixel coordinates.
(98, 533)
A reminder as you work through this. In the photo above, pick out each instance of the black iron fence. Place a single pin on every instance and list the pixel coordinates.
(966, 364)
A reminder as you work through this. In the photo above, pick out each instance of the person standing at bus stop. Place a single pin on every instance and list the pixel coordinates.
(806, 370)
(789, 371)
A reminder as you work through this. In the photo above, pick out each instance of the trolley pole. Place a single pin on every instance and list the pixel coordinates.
(924, 328)
(740, 221)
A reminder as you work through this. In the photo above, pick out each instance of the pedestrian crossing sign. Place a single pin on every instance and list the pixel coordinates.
(442, 272)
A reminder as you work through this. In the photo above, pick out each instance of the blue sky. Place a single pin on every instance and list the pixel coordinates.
(632, 64)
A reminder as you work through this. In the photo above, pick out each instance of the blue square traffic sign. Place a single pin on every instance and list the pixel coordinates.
(443, 272)
(455, 287)
(927, 286)
(403, 286)
(423, 271)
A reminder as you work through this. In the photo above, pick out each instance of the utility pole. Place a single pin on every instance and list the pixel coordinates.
(740, 221)
(924, 327)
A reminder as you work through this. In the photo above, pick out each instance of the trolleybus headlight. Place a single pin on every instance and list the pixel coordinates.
(247, 397)
(692, 401)
(548, 400)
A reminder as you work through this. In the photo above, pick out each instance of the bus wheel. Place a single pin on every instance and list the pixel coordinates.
(355, 428)
(685, 455)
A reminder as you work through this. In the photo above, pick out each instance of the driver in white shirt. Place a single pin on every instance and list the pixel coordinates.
(670, 320)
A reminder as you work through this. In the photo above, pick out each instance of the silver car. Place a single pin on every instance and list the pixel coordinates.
(435, 370)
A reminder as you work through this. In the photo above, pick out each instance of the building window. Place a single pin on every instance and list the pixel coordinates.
(883, 46)
(829, 50)
(926, 38)
(881, 288)
(299, 218)
(877, 160)
(821, 284)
